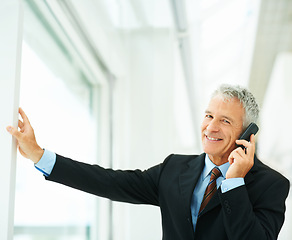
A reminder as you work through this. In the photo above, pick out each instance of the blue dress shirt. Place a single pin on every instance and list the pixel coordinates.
(46, 163)
(226, 185)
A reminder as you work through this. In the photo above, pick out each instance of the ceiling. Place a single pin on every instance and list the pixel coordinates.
(239, 40)
(232, 41)
(274, 35)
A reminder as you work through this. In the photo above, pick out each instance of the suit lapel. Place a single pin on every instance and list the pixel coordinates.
(189, 178)
(215, 201)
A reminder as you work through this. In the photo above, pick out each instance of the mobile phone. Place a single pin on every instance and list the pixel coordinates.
(251, 129)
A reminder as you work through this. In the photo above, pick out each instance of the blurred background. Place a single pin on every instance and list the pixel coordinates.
(124, 83)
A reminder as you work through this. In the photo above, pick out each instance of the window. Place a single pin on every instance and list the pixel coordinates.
(44, 210)
(57, 96)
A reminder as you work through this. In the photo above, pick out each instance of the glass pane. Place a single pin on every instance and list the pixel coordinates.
(62, 123)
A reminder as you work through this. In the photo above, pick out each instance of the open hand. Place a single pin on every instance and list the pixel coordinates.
(26, 140)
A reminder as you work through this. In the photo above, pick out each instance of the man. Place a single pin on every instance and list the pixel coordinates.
(248, 205)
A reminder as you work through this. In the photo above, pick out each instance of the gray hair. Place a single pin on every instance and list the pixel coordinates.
(245, 97)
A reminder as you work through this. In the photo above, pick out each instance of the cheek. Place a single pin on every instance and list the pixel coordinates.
(233, 138)
(237, 133)
(203, 128)
(204, 124)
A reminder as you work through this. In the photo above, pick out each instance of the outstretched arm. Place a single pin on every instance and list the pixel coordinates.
(26, 140)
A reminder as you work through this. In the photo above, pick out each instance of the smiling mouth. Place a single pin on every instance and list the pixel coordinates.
(213, 139)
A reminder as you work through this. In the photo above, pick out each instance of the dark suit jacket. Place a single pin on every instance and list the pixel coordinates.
(254, 211)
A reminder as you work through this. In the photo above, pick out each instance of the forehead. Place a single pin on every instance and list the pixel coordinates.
(231, 108)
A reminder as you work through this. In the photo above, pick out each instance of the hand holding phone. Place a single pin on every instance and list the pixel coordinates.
(251, 129)
(240, 164)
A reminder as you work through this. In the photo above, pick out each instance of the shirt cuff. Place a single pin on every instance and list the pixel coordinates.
(46, 163)
(231, 183)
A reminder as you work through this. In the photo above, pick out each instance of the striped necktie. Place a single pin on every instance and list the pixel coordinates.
(211, 188)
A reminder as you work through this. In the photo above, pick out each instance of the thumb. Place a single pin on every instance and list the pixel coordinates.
(13, 131)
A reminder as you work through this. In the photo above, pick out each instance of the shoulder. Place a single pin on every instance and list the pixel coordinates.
(263, 169)
(267, 175)
(182, 158)
(180, 161)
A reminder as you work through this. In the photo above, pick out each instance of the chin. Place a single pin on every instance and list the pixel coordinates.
(210, 151)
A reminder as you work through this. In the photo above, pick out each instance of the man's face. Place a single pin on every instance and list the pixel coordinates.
(221, 126)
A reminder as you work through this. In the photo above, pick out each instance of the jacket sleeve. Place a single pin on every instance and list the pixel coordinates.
(132, 186)
(259, 219)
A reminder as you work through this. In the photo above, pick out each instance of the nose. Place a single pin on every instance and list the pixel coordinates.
(213, 126)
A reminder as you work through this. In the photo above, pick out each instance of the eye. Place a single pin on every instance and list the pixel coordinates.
(226, 121)
(208, 116)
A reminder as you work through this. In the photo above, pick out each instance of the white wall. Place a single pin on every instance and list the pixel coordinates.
(144, 123)
(274, 145)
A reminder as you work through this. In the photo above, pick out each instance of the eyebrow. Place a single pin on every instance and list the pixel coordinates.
(224, 116)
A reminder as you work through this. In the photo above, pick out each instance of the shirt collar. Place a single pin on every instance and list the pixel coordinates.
(209, 165)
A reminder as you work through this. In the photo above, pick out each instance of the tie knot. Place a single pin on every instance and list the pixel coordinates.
(215, 173)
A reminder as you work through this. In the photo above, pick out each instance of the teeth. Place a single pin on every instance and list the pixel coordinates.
(213, 139)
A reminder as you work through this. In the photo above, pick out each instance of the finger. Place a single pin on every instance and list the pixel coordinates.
(251, 150)
(22, 152)
(233, 155)
(245, 143)
(252, 139)
(251, 142)
(24, 117)
(241, 152)
(231, 160)
(237, 153)
(20, 124)
(13, 131)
